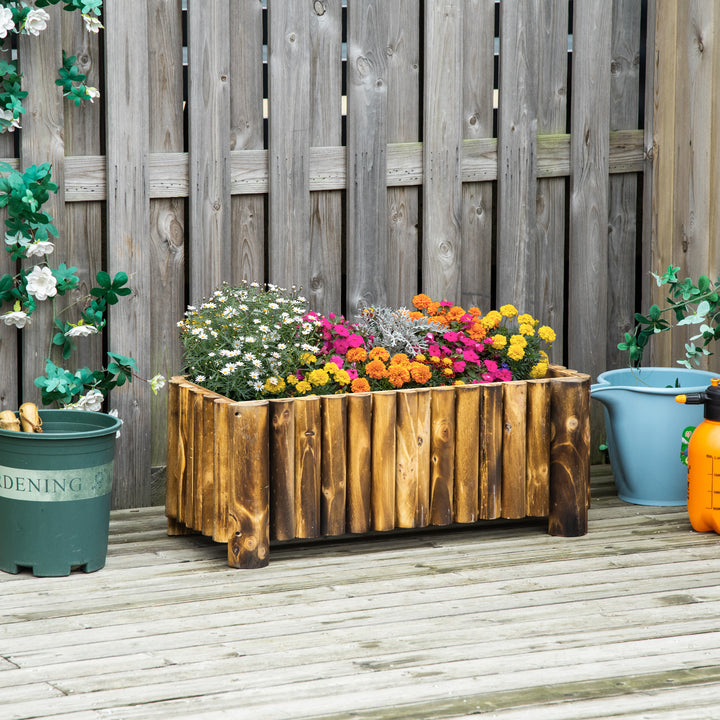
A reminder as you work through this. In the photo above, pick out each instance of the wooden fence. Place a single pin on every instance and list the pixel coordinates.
(481, 151)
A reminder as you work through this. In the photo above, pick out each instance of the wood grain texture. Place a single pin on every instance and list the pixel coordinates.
(467, 453)
(491, 455)
(384, 412)
(333, 481)
(224, 418)
(552, 80)
(289, 143)
(442, 149)
(249, 504)
(128, 213)
(308, 466)
(517, 156)
(166, 233)
(175, 448)
(442, 455)
(514, 449)
(9, 388)
(42, 140)
(424, 451)
(247, 225)
(477, 203)
(209, 148)
(403, 125)
(569, 456)
(207, 478)
(359, 476)
(537, 481)
(367, 139)
(282, 469)
(325, 288)
(406, 459)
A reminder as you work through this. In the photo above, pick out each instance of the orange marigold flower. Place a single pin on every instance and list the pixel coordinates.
(360, 385)
(419, 373)
(398, 375)
(432, 308)
(421, 301)
(356, 354)
(376, 369)
(477, 332)
(400, 359)
(455, 313)
(475, 311)
(379, 353)
(415, 315)
(439, 320)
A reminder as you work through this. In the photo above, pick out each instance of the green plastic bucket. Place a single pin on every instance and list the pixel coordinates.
(55, 493)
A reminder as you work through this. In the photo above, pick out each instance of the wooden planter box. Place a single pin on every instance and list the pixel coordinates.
(245, 473)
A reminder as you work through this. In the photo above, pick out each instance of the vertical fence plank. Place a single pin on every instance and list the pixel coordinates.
(442, 149)
(589, 167)
(209, 150)
(333, 479)
(325, 289)
(282, 469)
(514, 449)
(383, 460)
(467, 452)
(552, 71)
(128, 211)
(491, 457)
(660, 253)
(289, 143)
(477, 204)
(81, 243)
(247, 229)
(442, 455)
(41, 140)
(308, 463)
(517, 155)
(406, 459)
(424, 433)
(9, 398)
(537, 480)
(622, 199)
(167, 216)
(366, 152)
(403, 125)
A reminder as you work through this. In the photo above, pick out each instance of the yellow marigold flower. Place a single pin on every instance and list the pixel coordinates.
(527, 319)
(330, 368)
(434, 359)
(547, 334)
(318, 377)
(274, 385)
(360, 385)
(303, 387)
(447, 361)
(508, 311)
(379, 353)
(400, 359)
(292, 380)
(499, 341)
(448, 372)
(342, 377)
(491, 320)
(376, 369)
(420, 373)
(420, 358)
(518, 340)
(516, 352)
(539, 370)
(526, 329)
(356, 354)
(308, 358)
(459, 382)
(421, 301)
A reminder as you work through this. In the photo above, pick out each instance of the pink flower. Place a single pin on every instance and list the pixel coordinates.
(504, 375)
(491, 366)
(338, 360)
(459, 366)
(355, 340)
(452, 336)
(471, 356)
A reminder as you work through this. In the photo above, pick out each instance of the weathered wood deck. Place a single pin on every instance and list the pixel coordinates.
(503, 620)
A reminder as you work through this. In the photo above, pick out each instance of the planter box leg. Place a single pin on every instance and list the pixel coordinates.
(569, 457)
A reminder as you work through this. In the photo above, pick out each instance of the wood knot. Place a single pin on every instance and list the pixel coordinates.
(319, 7)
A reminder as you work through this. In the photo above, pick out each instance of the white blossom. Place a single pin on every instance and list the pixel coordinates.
(6, 21)
(41, 283)
(92, 23)
(92, 400)
(41, 248)
(81, 331)
(92, 93)
(156, 383)
(36, 21)
(17, 318)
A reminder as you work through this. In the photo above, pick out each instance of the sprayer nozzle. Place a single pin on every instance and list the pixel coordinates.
(681, 398)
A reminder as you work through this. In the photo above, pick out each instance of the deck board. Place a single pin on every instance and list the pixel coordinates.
(502, 619)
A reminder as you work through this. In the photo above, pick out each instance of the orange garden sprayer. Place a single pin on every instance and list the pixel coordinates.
(704, 461)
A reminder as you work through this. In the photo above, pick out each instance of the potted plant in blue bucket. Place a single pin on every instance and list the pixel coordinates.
(647, 431)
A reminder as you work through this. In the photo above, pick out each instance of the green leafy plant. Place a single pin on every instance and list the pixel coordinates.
(18, 18)
(688, 303)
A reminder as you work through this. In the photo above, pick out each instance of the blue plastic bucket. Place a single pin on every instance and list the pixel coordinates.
(645, 429)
